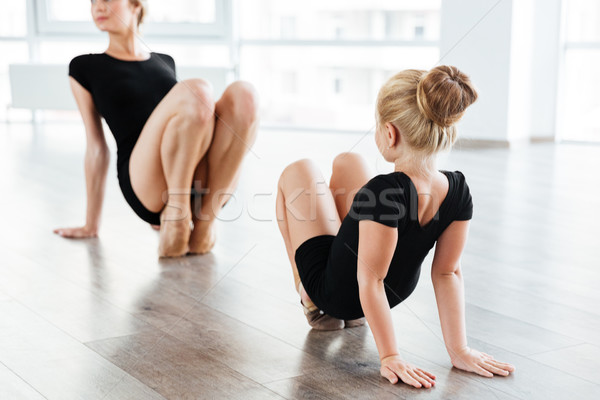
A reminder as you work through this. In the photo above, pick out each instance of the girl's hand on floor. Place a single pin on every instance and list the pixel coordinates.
(393, 368)
(483, 364)
(77, 233)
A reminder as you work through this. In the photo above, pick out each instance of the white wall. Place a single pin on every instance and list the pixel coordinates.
(483, 54)
(546, 59)
(521, 68)
(511, 54)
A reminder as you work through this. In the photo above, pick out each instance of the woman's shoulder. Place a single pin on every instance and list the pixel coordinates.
(83, 60)
(85, 57)
(164, 56)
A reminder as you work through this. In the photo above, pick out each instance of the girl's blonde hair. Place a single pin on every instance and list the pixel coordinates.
(143, 11)
(426, 105)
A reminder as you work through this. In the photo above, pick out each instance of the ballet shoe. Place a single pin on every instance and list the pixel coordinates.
(320, 321)
(354, 323)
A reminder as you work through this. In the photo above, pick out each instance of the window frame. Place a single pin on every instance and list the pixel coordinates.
(566, 45)
(220, 29)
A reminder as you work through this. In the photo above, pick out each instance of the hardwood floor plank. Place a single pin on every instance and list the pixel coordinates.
(13, 387)
(32, 347)
(177, 370)
(580, 360)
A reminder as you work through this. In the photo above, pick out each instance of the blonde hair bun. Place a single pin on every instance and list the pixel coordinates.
(426, 105)
(443, 95)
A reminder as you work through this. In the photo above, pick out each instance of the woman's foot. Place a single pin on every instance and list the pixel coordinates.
(174, 234)
(203, 237)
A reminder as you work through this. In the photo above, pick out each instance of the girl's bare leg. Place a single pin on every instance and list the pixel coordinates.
(350, 173)
(218, 172)
(305, 208)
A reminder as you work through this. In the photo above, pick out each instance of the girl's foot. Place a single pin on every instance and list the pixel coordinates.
(320, 321)
(354, 323)
(174, 235)
(316, 318)
(203, 237)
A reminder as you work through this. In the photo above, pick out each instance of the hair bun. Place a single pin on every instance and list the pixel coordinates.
(443, 95)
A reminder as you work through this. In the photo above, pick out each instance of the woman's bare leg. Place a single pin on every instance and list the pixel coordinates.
(218, 172)
(162, 164)
(350, 173)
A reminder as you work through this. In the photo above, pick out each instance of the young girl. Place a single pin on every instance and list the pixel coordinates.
(168, 134)
(356, 247)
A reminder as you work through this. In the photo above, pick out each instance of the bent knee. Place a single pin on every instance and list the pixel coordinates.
(242, 98)
(349, 160)
(304, 168)
(196, 99)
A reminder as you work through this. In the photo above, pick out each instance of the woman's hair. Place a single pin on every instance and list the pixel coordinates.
(143, 11)
(426, 105)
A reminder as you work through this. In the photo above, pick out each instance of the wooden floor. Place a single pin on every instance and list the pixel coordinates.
(106, 319)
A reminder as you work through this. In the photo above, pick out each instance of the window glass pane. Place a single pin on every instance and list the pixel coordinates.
(194, 54)
(68, 10)
(325, 86)
(199, 11)
(12, 52)
(340, 19)
(13, 20)
(583, 20)
(202, 11)
(61, 52)
(581, 102)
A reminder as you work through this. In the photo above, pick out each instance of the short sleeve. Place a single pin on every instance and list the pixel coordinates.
(169, 61)
(79, 71)
(380, 200)
(465, 203)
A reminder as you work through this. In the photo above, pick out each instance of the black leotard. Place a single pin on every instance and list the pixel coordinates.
(328, 264)
(125, 93)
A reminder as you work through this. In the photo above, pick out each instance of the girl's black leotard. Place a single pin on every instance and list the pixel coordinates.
(125, 93)
(328, 264)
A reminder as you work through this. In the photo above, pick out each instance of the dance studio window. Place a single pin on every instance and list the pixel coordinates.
(202, 18)
(334, 87)
(340, 19)
(339, 53)
(581, 82)
(13, 20)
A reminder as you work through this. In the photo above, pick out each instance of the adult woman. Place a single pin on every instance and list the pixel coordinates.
(398, 217)
(169, 135)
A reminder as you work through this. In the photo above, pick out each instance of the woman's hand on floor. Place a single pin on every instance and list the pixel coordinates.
(483, 364)
(393, 368)
(77, 233)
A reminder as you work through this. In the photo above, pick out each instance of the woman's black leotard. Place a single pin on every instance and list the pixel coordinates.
(125, 93)
(327, 264)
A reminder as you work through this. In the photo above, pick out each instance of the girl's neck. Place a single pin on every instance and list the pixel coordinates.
(416, 165)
